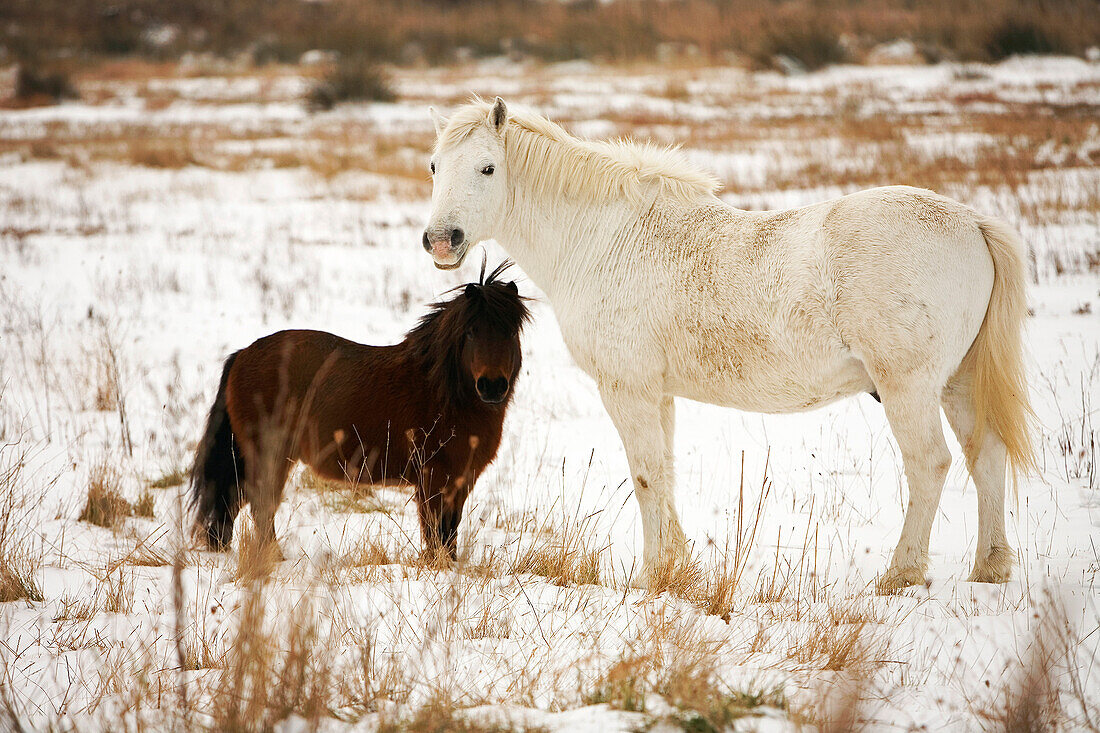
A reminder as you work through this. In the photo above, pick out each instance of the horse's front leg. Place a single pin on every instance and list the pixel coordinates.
(639, 416)
(668, 427)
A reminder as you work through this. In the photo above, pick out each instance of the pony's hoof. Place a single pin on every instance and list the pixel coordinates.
(995, 567)
(896, 579)
(435, 558)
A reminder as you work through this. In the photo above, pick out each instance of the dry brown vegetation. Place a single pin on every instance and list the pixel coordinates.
(432, 31)
(677, 662)
(105, 506)
(18, 563)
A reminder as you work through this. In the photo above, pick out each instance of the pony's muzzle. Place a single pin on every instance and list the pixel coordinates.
(492, 391)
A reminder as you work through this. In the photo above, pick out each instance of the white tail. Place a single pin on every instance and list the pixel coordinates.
(996, 358)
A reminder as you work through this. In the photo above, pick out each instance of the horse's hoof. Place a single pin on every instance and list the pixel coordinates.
(678, 574)
(896, 579)
(994, 567)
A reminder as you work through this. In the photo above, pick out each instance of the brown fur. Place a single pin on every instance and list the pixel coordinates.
(412, 413)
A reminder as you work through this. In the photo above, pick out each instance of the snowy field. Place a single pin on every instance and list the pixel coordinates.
(175, 215)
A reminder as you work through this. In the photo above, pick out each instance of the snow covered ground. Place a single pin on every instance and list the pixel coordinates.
(166, 221)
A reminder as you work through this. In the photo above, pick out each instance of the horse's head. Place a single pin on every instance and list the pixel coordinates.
(490, 355)
(469, 178)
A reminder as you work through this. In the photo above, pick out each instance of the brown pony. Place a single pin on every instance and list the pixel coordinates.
(427, 412)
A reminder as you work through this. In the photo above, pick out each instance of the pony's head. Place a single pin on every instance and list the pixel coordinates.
(473, 338)
(469, 181)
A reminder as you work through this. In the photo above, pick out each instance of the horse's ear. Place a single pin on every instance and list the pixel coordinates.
(512, 286)
(438, 120)
(472, 291)
(498, 115)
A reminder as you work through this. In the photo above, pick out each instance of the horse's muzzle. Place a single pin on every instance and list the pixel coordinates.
(447, 247)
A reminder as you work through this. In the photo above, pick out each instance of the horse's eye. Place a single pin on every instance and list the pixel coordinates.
(488, 170)
(432, 166)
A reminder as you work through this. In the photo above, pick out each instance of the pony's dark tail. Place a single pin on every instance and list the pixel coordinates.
(218, 472)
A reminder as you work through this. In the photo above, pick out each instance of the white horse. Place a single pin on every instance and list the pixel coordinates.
(662, 290)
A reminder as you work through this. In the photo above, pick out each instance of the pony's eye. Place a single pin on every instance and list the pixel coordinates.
(488, 170)
(432, 166)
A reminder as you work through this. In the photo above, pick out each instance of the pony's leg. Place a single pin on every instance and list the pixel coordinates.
(914, 416)
(267, 495)
(993, 557)
(637, 417)
(429, 510)
(450, 519)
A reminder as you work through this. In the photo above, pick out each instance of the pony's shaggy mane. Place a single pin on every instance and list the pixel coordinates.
(554, 162)
(438, 336)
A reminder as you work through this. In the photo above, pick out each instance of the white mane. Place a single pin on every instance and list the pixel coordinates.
(557, 163)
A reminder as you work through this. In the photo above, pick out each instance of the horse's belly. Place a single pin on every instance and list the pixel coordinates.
(772, 384)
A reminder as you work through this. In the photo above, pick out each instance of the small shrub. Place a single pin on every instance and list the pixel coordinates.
(33, 85)
(1019, 36)
(812, 44)
(352, 79)
(105, 507)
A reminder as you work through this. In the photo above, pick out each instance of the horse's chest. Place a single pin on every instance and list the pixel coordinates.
(608, 345)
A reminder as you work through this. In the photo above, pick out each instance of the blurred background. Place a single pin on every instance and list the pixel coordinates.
(51, 39)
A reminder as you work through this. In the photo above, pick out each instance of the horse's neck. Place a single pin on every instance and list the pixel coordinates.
(557, 242)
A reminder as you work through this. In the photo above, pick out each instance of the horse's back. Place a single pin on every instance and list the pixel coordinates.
(785, 310)
(286, 363)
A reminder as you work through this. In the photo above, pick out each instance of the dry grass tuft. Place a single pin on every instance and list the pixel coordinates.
(372, 551)
(18, 565)
(175, 477)
(256, 558)
(117, 592)
(269, 675)
(440, 715)
(105, 507)
(114, 593)
(489, 626)
(560, 563)
(145, 505)
(201, 652)
(832, 646)
(1031, 699)
(17, 578)
(679, 577)
(674, 661)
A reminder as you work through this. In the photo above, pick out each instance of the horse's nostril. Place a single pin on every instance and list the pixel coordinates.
(482, 385)
(427, 244)
(457, 235)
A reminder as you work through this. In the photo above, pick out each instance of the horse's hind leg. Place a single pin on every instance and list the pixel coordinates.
(914, 415)
(993, 557)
